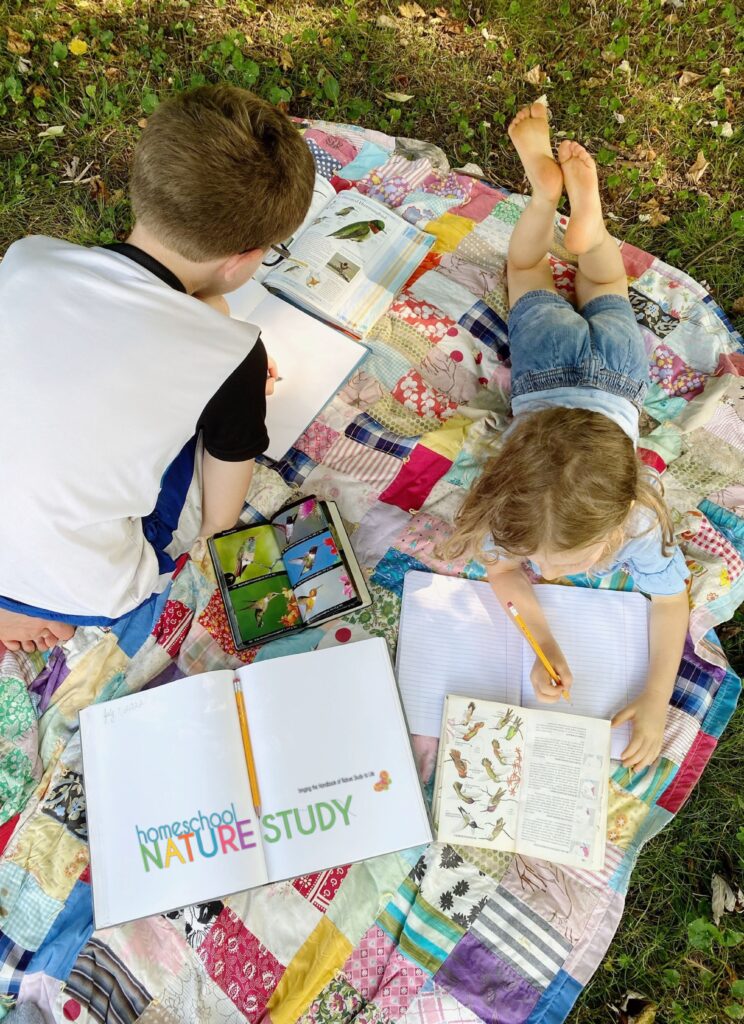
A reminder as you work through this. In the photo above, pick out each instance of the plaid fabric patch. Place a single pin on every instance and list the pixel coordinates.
(293, 468)
(694, 690)
(488, 327)
(419, 930)
(368, 431)
(13, 961)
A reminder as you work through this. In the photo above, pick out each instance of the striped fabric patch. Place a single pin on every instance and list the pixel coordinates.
(518, 935)
(419, 930)
(100, 981)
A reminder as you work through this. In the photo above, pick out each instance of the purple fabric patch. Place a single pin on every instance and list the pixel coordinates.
(54, 674)
(478, 979)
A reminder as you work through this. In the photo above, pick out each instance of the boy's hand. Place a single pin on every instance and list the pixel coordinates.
(541, 680)
(648, 713)
(272, 375)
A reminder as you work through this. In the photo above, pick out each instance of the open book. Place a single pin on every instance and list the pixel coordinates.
(353, 254)
(170, 816)
(529, 782)
(298, 570)
(456, 638)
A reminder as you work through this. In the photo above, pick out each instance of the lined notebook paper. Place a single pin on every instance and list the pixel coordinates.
(456, 638)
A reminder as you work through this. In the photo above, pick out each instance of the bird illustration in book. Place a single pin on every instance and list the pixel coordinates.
(246, 556)
(497, 752)
(468, 818)
(494, 799)
(309, 599)
(359, 230)
(460, 765)
(488, 766)
(498, 828)
(469, 712)
(457, 786)
(306, 561)
(260, 606)
(287, 528)
(473, 731)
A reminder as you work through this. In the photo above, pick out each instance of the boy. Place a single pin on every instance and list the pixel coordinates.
(114, 359)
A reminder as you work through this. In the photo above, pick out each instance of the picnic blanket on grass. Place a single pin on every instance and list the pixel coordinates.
(442, 935)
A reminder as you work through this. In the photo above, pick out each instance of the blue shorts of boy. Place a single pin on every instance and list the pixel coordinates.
(589, 359)
(594, 359)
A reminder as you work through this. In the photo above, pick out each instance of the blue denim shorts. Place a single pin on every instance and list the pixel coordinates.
(555, 346)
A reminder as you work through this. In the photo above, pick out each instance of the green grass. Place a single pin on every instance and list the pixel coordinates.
(613, 73)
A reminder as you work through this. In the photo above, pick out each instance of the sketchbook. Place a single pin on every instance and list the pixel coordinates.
(456, 638)
(523, 781)
(353, 255)
(170, 816)
(296, 571)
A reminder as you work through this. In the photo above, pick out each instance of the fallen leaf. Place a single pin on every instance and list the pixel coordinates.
(688, 78)
(52, 132)
(16, 42)
(142, 123)
(652, 215)
(620, 118)
(98, 188)
(24, 66)
(535, 76)
(285, 60)
(637, 1009)
(386, 22)
(722, 899)
(442, 12)
(398, 97)
(78, 47)
(413, 10)
(726, 130)
(737, 306)
(698, 169)
(486, 34)
(624, 66)
(39, 92)
(645, 154)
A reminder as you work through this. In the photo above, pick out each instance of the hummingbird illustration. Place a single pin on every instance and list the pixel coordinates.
(306, 561)
(345, 212)
(470, 711)
(359, 230)
(460, 765)
(488, 765)
(457, 786)
(468, 818)
(505, 718)
(309, 599)
(473, 731)
(497, 752)
(494, 799)
(498, 828)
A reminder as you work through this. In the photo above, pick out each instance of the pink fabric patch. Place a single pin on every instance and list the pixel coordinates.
(730, 362)
(172, 626)
(636, 260)
(243, 967)
(383, 975)
(708, 539)
(690, 771)
(415, 394)
(321, 887)
(316, 440)
(652, 459)
(480, 203)
(411, 487)
(428, 320)
(564, 277)
(214, 620)
(340, 148)
(71, 1009)
(673, 375)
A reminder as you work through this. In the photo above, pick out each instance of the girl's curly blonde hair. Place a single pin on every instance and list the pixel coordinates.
(563, 479)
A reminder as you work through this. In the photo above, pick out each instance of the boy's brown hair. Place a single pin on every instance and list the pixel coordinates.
(219, 171)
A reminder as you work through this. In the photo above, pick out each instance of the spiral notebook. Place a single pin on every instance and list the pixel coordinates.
(456, 638)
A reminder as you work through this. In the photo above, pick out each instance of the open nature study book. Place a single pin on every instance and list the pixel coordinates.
(295, 571)
(170, 816)
(353, 254)
(528, 782)
(456, 638)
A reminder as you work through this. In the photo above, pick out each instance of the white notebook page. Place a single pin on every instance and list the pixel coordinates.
(454, 638)
(604, 635)
(324, 726)
(313, 359)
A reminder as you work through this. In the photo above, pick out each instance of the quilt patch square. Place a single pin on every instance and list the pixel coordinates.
(172, 626)
(14, 960)
(321, 887)
(392, 568)
(368, 431)
(485, 983)
(422, 933)
(365, 966)
(488, 327)
(649, 314)
(552, 894)
(316, 440)
(242, 966)
(410, 488)
(436, 1005)
(339, 1001)
(103, 984)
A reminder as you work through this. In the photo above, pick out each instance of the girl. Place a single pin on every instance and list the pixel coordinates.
(566, 490)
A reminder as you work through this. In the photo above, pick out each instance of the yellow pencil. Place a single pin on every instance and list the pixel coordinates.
(555, 678)
(247, 749)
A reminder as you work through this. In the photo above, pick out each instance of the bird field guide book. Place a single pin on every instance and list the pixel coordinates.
(297, 570)
(171, 819)
(523, 781)
(353, 255)
(456, 638)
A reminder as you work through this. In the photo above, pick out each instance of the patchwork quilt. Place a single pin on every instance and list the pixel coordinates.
(441, 935)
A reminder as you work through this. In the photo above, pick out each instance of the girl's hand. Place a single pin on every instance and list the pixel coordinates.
(540, 677)
(272, 373)
(648, 713)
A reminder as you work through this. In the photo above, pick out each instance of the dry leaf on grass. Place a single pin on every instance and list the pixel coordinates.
(52, 132)
(16, 42)
(726, 130)
(637, 1009)
(688, 78)
(535, 76)
(98, 188)
(78, 47)
(285, 60)
(398, 97)
(698, 169)
(442, 12)
(413, 10)
(39, 92)
(384, 21)
(737, 306)
(723, 898)
(652, 215)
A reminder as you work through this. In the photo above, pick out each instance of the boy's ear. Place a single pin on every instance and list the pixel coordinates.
(235, 267)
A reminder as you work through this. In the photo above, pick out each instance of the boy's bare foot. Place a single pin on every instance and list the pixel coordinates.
(586, 228)
(530, 135)
(30, 634)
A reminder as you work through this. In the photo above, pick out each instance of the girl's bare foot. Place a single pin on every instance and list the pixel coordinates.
(30, 634)
(586, 228)
(530, 134)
